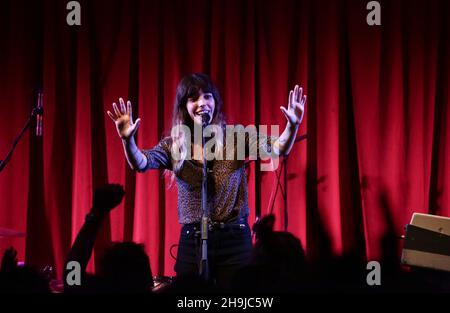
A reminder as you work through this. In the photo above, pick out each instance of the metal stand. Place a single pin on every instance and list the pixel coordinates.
(204, 264)
(284, 192)
(36, 111)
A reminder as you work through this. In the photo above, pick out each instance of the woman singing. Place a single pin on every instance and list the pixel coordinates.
(229, 236)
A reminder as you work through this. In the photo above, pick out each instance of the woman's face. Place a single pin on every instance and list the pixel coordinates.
(204, 103)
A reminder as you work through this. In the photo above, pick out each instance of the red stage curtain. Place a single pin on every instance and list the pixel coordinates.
(377, 114)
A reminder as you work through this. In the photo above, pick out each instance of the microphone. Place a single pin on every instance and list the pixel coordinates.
(39, 112)
(205, 119)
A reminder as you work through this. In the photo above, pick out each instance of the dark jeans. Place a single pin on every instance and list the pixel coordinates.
(229, 248)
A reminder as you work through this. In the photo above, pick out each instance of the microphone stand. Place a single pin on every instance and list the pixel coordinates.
(36, 111)
(204, 263)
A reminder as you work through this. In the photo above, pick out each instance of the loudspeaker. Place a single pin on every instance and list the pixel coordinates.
(427, 242)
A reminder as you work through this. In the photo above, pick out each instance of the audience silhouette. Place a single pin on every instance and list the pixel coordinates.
(125, 266)
(278, 264)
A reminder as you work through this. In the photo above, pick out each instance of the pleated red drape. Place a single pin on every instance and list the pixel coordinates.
(377, 114)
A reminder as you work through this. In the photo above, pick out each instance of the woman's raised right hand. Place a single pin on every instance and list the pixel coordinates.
(124, 120)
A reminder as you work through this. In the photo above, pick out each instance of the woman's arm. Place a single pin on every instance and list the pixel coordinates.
(126, 129)
(136, 159)
(294, 115)
(284, 143)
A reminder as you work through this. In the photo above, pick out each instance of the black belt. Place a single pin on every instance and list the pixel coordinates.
(214, 225)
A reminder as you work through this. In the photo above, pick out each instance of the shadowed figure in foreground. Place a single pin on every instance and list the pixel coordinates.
(277, 262)
(20, 279)
(125, 266)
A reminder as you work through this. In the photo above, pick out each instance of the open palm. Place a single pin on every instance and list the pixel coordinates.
(123, 119)
(296, 106)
